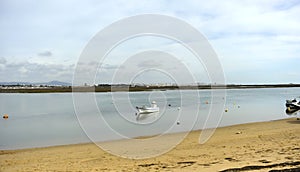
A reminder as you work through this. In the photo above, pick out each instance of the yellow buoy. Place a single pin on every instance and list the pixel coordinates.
(5, 116)
(226, 110)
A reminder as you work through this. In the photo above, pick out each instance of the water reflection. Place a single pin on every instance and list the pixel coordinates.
(31, 115)
(152, 116)
(292, 111)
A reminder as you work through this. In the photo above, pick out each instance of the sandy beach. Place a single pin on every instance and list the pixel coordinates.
(263, 146)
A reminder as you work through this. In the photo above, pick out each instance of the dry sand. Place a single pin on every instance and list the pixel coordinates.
(261, 146)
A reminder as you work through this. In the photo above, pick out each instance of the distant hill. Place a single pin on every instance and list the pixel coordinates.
(51, 83)
(56, 83)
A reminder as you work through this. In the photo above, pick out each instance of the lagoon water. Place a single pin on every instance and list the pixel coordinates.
(38, 120)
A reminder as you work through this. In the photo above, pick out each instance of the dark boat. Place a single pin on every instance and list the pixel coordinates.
(292, 104)
(290, 111)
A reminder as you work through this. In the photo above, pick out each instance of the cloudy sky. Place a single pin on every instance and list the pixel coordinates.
(257, 41)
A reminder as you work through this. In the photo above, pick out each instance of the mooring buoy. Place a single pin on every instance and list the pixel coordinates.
(5, 116)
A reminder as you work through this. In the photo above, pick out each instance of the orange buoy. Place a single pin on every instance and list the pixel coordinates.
(5, 116)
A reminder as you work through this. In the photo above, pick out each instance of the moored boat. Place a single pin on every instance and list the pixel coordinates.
(292, 104)
(146, 109)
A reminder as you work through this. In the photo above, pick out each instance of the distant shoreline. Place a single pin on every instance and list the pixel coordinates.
(124, 87)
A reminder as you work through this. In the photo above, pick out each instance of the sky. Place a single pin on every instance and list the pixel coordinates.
(256, 41)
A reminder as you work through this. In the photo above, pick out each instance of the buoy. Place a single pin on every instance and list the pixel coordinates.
(169, 104)
(178, 108)
(178, 122)
(226, 110)
(206, 102)
(5, 116)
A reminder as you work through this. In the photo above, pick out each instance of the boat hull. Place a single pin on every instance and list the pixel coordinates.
(293, 105)
(291, 111)
(148, 110)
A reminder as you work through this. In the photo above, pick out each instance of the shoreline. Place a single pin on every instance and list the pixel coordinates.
(126, 88)
(263, 145)
(141, 137)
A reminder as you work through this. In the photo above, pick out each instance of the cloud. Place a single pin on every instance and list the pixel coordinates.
(23, 70)
(3, 60)
(246, 34)
(45, 54)
(35, 72)
(110, 67)
(149, 64)
(2, 63)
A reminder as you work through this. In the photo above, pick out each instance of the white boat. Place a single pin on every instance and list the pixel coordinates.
(146, 109)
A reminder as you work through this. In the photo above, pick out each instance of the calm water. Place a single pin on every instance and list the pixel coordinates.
(37, 120)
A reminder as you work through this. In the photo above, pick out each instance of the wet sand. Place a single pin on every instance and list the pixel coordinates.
(263, 146)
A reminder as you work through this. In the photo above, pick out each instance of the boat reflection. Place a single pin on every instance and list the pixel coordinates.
(292, 111)
(146, 116)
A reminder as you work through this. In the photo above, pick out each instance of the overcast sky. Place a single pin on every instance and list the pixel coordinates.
(257, 41)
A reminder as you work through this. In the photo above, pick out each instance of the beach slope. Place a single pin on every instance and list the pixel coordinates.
(262, 146)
